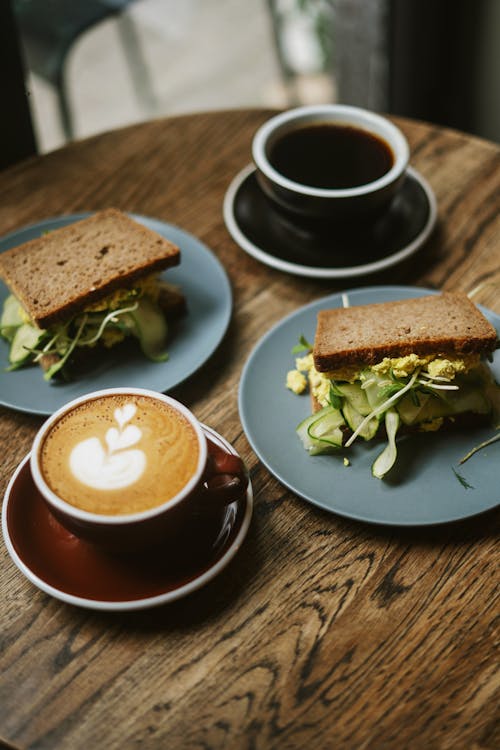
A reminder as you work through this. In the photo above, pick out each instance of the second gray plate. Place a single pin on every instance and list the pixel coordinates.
(427, 485)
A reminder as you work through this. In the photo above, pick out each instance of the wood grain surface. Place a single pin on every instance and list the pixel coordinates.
(322, 633)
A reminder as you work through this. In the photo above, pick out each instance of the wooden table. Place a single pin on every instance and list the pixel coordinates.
(389, 640)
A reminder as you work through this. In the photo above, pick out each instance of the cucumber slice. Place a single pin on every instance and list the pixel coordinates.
(373, 392)
(320, 432)
(409, 411)
(151, 329)
(387, 458)
(354, 419)
(356, 396)
(26, 338)
(11, 318)
(468, 398)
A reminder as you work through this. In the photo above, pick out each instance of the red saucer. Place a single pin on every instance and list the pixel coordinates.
(81, 573)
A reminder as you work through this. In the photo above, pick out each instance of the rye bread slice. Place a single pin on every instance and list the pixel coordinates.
(56, 275)
(447, 323)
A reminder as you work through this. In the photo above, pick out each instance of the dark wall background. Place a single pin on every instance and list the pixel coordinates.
(17, 139)
(444, 63)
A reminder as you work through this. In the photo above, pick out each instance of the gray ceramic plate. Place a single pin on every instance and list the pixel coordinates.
(421, 489)
(208, 293)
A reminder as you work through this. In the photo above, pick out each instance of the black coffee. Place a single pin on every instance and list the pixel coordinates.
(327, 155)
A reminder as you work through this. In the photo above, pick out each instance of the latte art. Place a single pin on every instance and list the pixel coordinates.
(116, 467)
(119, 454)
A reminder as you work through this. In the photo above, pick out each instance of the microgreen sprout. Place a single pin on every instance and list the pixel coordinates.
(438, 387)
(480, 447)
(383, 407)
(60, 363)
(111, 317)
(302, 346)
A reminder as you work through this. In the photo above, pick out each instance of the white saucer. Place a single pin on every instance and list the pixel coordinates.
(271, 237)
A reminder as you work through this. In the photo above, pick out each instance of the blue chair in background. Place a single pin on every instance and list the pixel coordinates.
(48, 30)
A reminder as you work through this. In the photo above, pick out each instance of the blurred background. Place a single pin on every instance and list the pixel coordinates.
(93, 65)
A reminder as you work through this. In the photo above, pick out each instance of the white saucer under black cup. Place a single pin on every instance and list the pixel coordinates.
(321, 249)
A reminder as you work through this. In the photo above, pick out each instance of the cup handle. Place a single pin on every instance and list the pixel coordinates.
(225, 480)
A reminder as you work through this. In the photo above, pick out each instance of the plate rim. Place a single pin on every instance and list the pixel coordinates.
(104, 605)
(298, 269)
(279, 475)
(227, 296)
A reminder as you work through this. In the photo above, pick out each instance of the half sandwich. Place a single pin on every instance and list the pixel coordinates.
(91, 284)
(414, 364)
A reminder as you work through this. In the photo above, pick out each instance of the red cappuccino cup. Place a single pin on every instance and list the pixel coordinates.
(128, 467)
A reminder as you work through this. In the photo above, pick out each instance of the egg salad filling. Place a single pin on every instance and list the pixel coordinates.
(125, 312)
(420, 392)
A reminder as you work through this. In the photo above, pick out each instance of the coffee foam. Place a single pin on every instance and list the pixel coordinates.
(119, 454)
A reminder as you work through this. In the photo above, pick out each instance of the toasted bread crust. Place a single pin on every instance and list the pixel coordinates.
(315, 405)
(447, 323)
(56, 275)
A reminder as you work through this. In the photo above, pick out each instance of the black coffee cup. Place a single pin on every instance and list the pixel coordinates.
(330, 162)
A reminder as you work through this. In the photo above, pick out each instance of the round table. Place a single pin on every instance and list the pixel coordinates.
(322, 632)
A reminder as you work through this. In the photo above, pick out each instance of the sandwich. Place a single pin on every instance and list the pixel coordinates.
(86, 287)
(382, 369)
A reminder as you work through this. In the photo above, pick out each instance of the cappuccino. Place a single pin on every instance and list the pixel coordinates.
(119, 454)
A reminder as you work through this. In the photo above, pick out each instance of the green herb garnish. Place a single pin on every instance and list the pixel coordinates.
(336, 400)
(462, 481)
(302, 346)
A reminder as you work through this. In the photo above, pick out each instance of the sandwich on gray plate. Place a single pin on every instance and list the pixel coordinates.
(414, 364)
(88, 286)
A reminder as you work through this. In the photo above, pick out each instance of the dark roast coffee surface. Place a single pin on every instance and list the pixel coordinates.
(331, 156)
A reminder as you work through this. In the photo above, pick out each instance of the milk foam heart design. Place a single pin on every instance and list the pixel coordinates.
(117, 468)
(119, 440)
(95, 468)
(124, 414)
